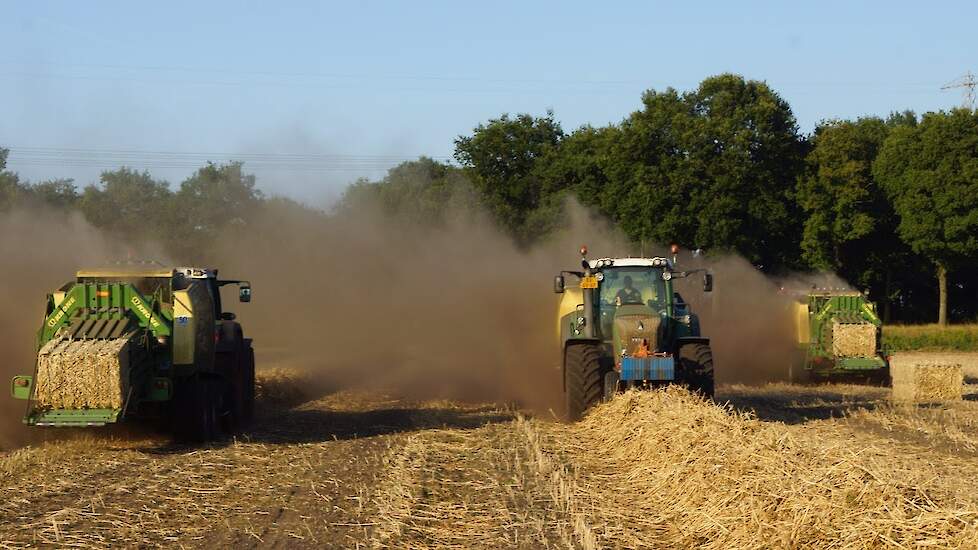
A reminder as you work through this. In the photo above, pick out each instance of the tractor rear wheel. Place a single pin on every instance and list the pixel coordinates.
(248, 372)
(697, 365)
(584, 374)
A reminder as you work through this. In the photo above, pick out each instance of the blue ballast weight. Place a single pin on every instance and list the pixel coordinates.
(648, 368)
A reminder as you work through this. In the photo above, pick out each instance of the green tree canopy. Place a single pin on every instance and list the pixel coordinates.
(214, 198)
(850, 225)
(421, 191)
(10, 186)
(712, 168)
(930, 173)
(129, 203)
(500, 158)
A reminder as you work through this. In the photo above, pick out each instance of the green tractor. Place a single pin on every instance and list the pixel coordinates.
(624, 326)
(839, 337)
(142, 342)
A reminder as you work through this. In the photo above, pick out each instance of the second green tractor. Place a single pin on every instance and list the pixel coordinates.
(621, 324)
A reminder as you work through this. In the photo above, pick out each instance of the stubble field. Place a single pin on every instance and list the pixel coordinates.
(832, 466)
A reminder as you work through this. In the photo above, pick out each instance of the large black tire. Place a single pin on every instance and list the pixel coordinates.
(696, 361)
(241, 392)
(194, 415)
(584, 373)
(250, 386)
(236, 363)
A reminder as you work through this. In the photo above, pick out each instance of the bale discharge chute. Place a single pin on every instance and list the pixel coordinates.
(125, 344)
(838, 334)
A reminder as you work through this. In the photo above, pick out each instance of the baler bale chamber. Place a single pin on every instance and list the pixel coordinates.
(141, 344)
(839, 337)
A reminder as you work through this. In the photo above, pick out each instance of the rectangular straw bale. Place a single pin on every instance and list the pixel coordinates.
(82, 374)
(919, 380)
(853, 339)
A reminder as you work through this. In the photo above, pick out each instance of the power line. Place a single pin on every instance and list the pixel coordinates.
(967, 83)
(110, 158)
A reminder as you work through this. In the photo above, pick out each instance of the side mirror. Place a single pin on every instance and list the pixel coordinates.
(228, 316)
(244, 292)
(708, 282)
(559, 284)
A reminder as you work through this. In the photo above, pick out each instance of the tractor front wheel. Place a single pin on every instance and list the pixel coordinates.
(697, 368)
(584, 376)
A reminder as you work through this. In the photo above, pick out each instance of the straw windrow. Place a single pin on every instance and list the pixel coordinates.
(668, 469)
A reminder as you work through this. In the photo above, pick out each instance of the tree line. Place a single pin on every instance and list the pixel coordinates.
(890, 204)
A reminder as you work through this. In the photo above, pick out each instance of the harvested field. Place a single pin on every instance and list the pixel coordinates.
(776, 466)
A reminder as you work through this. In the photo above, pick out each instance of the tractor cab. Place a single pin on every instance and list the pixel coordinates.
(631, 290)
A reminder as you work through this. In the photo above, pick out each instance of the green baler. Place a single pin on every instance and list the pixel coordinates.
(138, 342)
(838, 334)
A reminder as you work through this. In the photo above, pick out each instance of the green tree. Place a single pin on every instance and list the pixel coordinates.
(10, 186)
(850, 225)
(421, 191)
(58, 193)
(930, 173)
(500, 159)
(712, 168)
(128, 203)
(213, 199)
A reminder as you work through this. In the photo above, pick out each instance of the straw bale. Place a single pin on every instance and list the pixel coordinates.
(82, 374)
(919, 380)
(853, 339)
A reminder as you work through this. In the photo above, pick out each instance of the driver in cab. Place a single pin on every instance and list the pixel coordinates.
(628, 294)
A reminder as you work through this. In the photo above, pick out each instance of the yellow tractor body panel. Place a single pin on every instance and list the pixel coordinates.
(184, 325)
(569, 301)
(802, 329)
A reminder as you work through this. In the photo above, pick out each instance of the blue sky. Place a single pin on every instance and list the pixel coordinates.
(347, 89)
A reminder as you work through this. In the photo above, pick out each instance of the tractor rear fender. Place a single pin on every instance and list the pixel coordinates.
(563, 355)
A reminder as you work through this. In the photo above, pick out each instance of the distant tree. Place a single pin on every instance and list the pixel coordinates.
(57, 193)
(850, 225)
(581, 164)
(214, 198)
(10, 186)
(500, 158)
(712, 168)
(129, 204)
(421, 191)
(930, 173)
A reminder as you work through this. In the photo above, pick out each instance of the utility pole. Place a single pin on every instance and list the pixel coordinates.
(968, 83)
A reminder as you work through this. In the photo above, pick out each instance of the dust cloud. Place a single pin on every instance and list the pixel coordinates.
(448, 310)
(40, 251)
(749, 316)
(457, 310)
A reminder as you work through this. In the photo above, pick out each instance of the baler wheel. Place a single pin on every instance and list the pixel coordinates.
(697, 363)
(195, 415)
(583, 379)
